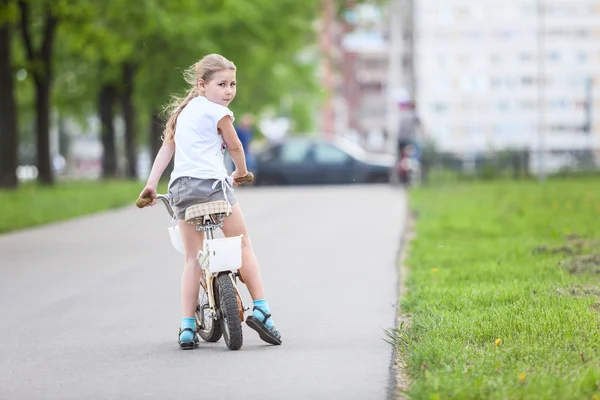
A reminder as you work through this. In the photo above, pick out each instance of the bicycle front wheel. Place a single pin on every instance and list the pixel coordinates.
(230, 312)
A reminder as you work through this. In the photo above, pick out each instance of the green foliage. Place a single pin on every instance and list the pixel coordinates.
(163, 38)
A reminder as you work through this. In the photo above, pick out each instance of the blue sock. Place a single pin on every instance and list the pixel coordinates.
(187, 336)
(262, 304)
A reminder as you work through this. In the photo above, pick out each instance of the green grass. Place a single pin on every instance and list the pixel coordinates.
(502, 261)
(32, 205)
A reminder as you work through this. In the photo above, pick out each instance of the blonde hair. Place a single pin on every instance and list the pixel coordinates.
(202, 71)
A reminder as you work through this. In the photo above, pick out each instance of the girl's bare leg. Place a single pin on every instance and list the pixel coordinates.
(260, 320)
(235, 225)
(190, 279)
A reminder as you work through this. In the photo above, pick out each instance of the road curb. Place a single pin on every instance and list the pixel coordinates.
(399, 379)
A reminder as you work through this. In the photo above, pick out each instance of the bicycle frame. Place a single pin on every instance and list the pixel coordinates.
(203, 259)
(209, 276)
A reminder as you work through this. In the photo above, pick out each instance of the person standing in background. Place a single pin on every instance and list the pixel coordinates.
(245, 133)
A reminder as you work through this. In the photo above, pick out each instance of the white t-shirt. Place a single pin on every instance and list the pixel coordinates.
(199, 149)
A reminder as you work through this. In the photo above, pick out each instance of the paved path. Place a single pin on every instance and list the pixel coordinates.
(90, 308)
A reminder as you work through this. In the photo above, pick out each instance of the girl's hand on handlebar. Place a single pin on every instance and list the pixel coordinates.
(148, 192)
(239, 178)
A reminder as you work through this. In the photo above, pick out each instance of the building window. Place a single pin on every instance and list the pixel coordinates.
(527, 80)
(439, 107)
(503, 105)
(565, 128)
(553, 56)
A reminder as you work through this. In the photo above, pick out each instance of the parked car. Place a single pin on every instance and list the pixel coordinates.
(315, 161)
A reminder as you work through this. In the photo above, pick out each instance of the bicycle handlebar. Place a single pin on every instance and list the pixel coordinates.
(249, 178)
(143, 202)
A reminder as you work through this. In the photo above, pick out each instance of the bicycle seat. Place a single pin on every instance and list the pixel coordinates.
(195, 214)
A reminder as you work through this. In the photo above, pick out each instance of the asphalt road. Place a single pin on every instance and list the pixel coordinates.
(89, 308)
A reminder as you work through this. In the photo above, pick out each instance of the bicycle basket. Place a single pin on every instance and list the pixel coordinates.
(225, 254)
(176, 240)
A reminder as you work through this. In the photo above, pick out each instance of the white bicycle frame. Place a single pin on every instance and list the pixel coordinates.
(224, 252)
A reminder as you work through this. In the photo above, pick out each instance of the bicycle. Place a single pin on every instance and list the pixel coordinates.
(220, 310)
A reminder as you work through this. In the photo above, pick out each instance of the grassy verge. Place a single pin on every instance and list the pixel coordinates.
(32, 205)
(504, 292)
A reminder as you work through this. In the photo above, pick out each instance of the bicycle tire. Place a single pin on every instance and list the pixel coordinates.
(229, 313)
(212, 330)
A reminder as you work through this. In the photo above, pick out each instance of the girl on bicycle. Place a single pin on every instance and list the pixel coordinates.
(199, 128)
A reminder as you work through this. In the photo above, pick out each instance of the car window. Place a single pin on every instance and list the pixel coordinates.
(269, 154)
(294, 152)
(328, 154)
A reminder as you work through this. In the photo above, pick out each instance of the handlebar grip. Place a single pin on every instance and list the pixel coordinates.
(249, 178)
(143, 202)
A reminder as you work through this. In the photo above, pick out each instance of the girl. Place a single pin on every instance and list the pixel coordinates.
(199, 128)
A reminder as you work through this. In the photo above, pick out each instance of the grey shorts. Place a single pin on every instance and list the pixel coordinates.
(187, 191)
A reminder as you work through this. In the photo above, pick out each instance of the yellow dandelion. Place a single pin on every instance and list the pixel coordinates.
(596, 396)
(434, 270)
(521, 377)
(498, 342)
(555, 205)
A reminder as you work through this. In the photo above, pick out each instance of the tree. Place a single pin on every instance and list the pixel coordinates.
(262, 37)
(113, 43)
(118, 53)
(129, 117)
(8, 108)
(40, 60)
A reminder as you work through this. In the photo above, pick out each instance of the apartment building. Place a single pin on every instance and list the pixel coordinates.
(490, 77)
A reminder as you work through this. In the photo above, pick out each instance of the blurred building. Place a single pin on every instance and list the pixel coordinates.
(489, 76)
(358, 50)
(363, 67)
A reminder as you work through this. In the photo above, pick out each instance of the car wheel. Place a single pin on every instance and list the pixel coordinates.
(271, 181)
(379, 179)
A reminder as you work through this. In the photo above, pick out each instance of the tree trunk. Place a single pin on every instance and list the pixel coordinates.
(42, 132)
(41, 61)
(129, 118)
(106, 100)
(156, 129)
(9, 159)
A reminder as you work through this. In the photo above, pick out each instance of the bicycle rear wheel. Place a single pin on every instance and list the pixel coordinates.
(211, 330)
(229, 312)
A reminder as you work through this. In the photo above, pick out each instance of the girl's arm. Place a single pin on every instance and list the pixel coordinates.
(234, 146)
(160, 163)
